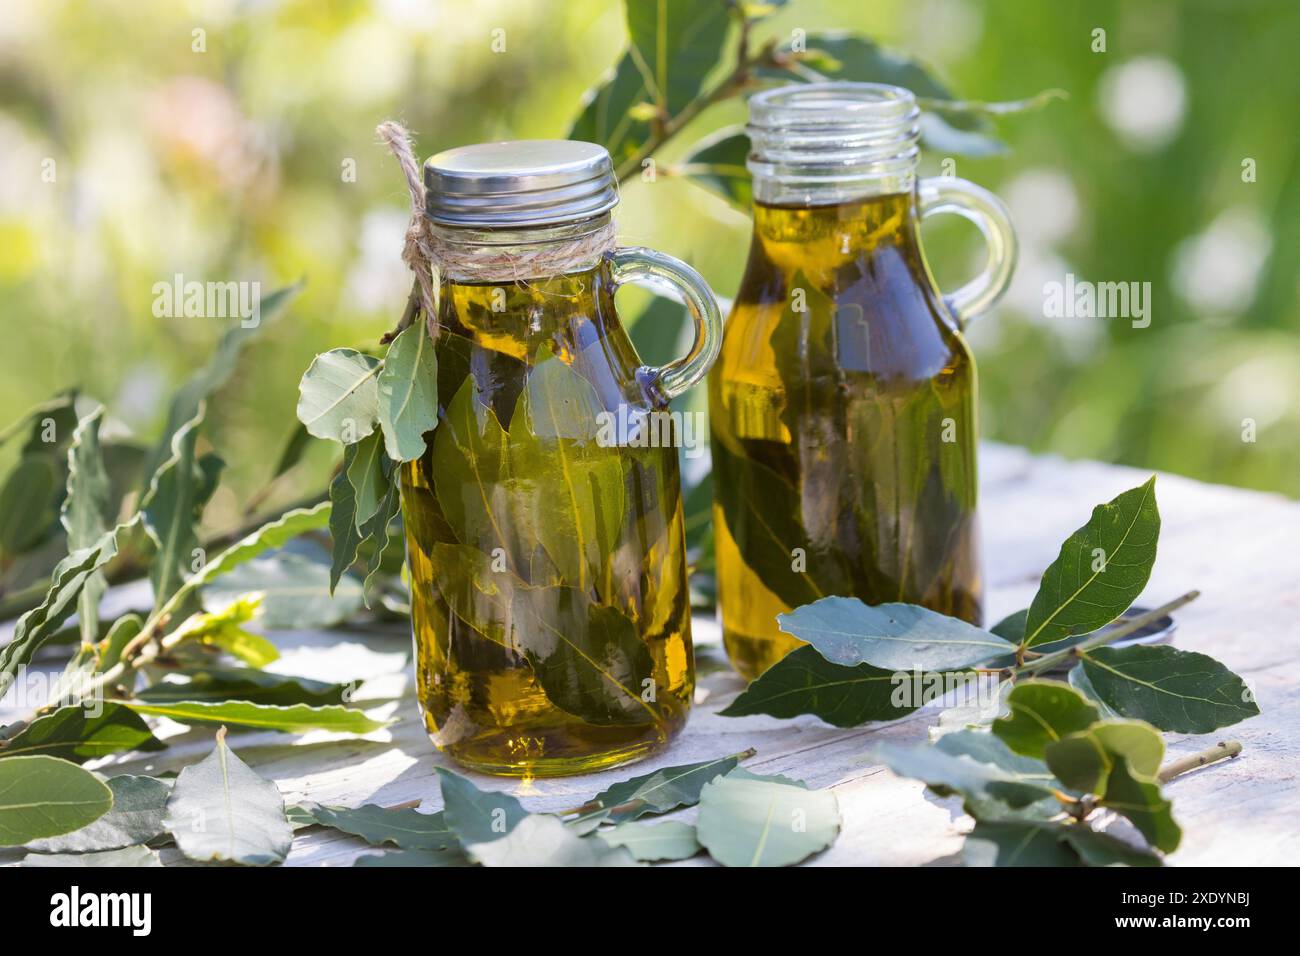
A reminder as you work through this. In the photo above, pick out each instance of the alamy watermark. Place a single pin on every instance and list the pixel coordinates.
(193, 299)
(1082, 299)
(629, 427)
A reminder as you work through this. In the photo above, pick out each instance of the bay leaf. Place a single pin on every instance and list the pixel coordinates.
(748, 820)
(273, 534)
(540, 840)
(588, 658)
(1101, 570)
(221, 810)
(66, 581)
(218, 684)
(1078, 679)
(1101, 849)
(172, 506)
(1175, 690)
(408, 393)
(804, 682)
(562, 475)
(1084, 760)
(139, 808)
(222, 628)
(956, 771)
(1040, 713)
(470, 471)
(43, 796)
(897, 637)
(476, 816)
(368, 475)
(27, 504)
(1017, 843)
(78, 733)
(1040, 843)
(406, 828)
(660, 790)
(345, 536)
(82, 514)
(123, 631)
(338, 397)
(650, 843)
(126, 856)
(762, 512)
(1137, 797)
(295, 718)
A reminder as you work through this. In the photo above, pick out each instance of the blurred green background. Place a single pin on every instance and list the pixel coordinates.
(229, 164)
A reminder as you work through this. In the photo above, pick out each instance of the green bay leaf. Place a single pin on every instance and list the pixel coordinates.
(1084, 760)
(139, 808)
(338, 397)
(1101, 570)
(588, 658)
(651, 843)
(221, 810)
(562, 475)
(1041, 712)
(1175, 690)
(43, 796)
(294, 718)
(82, 732)
(804, 682)
(217, 684)
(476, 816)
(406, 828)
(83, 511)
(408, 393)
(660, 790)
(891, 636)
(68, 578)
(747, 820)
(368, 475)
(126, 856)
(540, 840)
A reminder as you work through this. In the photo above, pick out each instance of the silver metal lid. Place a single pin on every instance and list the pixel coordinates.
(528, 182)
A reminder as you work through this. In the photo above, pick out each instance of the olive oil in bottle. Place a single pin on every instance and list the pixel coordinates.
(546, 549)
(843, 407)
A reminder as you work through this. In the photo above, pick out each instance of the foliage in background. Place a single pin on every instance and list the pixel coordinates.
(86, 502)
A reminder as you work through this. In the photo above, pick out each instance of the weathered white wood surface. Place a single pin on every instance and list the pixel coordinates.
(1238, 547)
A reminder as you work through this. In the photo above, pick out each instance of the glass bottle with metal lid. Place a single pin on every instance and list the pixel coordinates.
(544, 531)
(842, 408)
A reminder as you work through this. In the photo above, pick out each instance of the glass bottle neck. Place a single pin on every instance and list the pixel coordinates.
(486, 256)
(825, 144)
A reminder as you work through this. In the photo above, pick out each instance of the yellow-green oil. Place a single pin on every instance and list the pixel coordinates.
(843, 426)
(547, 566)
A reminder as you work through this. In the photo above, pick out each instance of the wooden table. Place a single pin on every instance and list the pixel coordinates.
(1238, 547)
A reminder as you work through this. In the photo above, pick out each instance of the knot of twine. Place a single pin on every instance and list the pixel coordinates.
(431, 255)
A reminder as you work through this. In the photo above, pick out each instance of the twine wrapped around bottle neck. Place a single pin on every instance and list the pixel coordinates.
(433, 253)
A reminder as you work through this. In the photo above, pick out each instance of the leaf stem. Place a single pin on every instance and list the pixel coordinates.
(1049, 661)
(665, 129)
(1223, 750)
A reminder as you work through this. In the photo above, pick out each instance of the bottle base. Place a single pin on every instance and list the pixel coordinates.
(559, 766)
(556, 751)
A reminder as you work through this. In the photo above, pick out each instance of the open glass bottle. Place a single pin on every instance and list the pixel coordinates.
(842, 409)
(545, 546)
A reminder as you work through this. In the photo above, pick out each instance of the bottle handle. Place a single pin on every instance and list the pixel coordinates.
(675, 278)
(990, 215)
